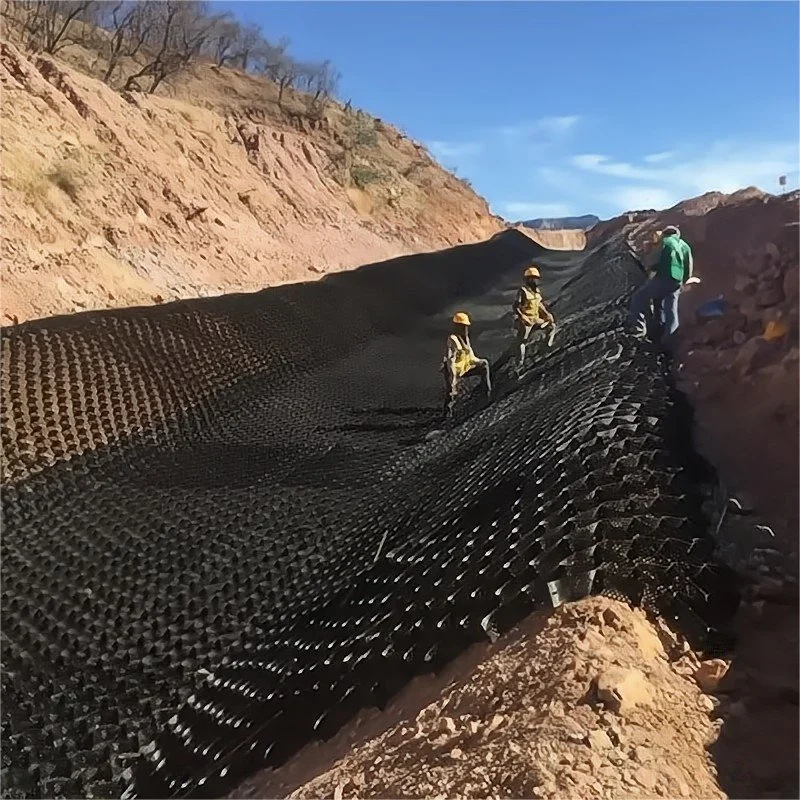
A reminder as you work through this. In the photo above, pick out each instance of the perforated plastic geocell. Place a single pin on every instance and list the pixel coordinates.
(229, 524)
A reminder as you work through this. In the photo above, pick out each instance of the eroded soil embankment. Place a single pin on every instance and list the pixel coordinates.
(118, 199)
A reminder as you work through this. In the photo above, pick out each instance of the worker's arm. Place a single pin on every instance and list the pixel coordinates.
(546, 315)
(652, 260)
(689, 271)
(664, 263)
(449, 360)
(519, 300)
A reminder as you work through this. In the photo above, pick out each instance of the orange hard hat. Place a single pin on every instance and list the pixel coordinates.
(461, 318)
(532, 272)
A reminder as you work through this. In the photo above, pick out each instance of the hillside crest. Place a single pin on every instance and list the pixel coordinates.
(212, 184)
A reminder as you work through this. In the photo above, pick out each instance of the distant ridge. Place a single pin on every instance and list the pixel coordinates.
(561, 223)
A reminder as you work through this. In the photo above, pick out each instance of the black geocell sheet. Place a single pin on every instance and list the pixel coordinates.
(195, 495)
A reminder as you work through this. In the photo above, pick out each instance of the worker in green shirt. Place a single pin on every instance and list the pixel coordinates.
(670, 273)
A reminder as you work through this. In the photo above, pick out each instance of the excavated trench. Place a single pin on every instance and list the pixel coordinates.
(232, 523)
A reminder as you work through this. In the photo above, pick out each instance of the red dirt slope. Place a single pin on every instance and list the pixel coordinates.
(116, 199)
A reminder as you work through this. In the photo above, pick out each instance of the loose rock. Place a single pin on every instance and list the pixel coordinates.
(642, 754)
(744, 285)
(754, 354)
(599, 740)
(791, 282)
(621, 690)
(497, 721)
(707, 703)
(709, 674)
(645, 777)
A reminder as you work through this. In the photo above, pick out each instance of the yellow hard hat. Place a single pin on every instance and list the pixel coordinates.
(461, 318)
(532, 272)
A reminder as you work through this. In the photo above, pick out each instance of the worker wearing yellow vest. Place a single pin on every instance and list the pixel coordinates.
(529, 311)
(460, 361)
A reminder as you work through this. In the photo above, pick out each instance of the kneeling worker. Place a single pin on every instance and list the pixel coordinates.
(529, 311)
(460, 361)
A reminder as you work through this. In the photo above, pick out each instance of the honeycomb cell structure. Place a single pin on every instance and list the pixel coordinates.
(229, 524)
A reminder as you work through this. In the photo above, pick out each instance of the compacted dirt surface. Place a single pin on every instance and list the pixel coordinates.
(593, 701)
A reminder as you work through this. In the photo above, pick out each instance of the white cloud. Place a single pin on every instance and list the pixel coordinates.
(723, 167)
(727, 167)
(558, 125)
(544, 129)
(603, 165)
(442, 149)
(508, 139)
(565, 181)
(518, 210)
(655, 158)
(639, 198)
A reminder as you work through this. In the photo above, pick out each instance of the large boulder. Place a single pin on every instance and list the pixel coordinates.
(755, 354)
(770, 292)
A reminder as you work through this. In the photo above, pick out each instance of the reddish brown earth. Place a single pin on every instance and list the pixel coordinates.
(127, 199)
(555, 240)
(588, 702)
(745, 391)
(745, 388)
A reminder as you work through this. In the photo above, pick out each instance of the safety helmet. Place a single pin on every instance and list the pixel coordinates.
(461, 318)
(532, 272)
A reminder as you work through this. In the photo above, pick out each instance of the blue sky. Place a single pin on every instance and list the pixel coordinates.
(554, 108)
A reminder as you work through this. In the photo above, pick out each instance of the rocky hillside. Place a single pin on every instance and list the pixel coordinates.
(644, 222)
(741, 366)
(209, 186)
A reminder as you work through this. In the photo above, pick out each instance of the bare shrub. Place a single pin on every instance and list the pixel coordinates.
(179, 33)
(66, 178)
(363, 175)
(163, 38)
(131, 26)
(49, 25)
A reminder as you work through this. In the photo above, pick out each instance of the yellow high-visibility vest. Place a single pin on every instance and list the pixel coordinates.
(530, 310)
(465, 358)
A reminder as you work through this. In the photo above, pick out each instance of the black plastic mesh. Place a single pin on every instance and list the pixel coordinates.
(195, 496)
